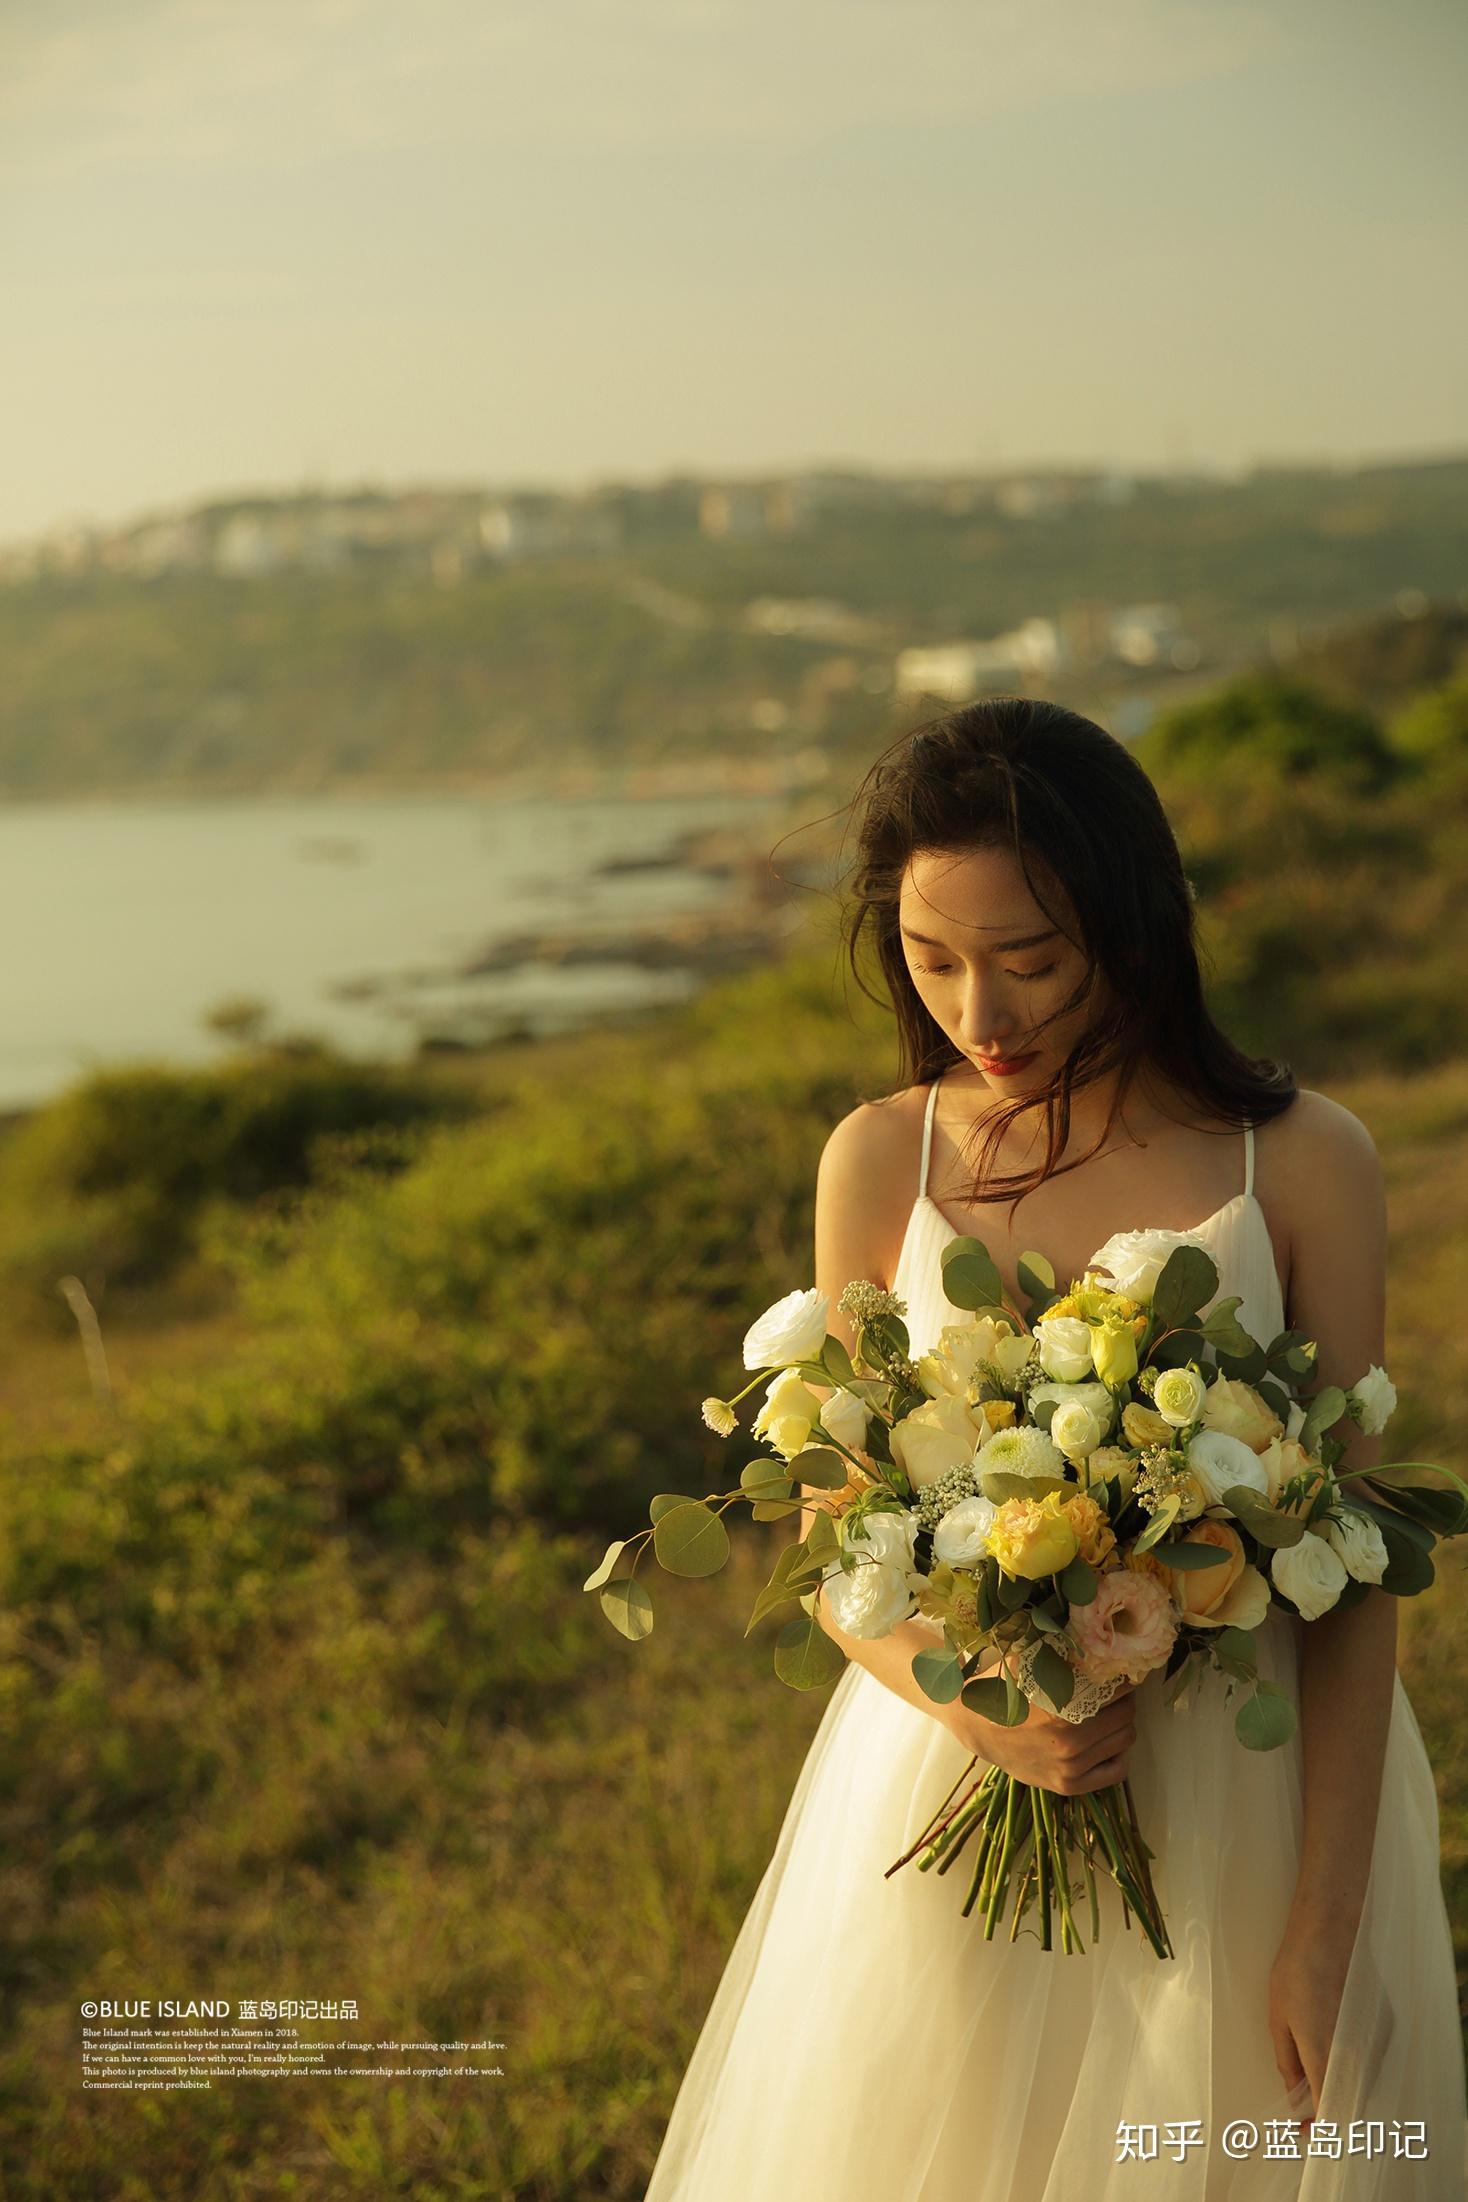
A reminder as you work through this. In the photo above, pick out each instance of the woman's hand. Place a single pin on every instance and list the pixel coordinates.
(1066, 1756)
(1306, 1983)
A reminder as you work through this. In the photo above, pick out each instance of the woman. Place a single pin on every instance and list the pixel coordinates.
(1034, 925)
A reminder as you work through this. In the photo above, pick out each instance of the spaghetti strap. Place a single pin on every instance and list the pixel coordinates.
(928, 1135)
(1248, 1159)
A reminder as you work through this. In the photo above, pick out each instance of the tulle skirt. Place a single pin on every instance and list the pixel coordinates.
(866, 2043)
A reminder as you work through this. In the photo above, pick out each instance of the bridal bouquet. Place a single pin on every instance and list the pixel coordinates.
(1117, 1480)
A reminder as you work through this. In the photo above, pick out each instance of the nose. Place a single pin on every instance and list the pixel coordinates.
(985, 1027)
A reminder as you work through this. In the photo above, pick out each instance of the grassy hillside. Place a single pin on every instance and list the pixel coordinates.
(301, 1694)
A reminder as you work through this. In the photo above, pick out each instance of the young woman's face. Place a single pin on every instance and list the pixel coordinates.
(989, 965)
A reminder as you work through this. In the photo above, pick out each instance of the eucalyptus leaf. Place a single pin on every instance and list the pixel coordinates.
(939, 1675)
(820, 1466)
(1326, 1407)
(1187, 1280)
(970, 1278)
(765, 1479)
(1078, 1581)
(1177, 1349)
(1000, 1484)
(1417, 1486)
(1055, 1676)
(628, 1607)
(1264, 1522)
(1189, 1555)
(1266, 1720)
(837, 1361)
(773, 1510)
(805, 1656)
(600, 1573)
(987, 1694)
(1159, 1524)
(690, 1539)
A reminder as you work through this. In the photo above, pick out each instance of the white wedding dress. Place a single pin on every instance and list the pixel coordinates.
(867, 2044)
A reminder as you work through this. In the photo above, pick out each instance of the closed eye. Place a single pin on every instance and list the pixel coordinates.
(936, 971)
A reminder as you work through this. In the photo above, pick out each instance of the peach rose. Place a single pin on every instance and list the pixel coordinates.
(1225, 1595)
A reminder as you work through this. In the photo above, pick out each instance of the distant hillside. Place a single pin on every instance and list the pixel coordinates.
(646, 651)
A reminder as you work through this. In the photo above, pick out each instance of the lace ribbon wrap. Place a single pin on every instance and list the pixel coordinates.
(1085, 1699)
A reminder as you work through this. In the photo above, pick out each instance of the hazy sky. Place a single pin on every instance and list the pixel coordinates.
(244, 242)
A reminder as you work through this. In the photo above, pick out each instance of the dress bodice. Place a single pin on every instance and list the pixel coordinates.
(1236, 1235)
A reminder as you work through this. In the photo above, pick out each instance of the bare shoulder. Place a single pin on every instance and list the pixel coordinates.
(865, 1184)
(1320, 1153)
(1322, 1178)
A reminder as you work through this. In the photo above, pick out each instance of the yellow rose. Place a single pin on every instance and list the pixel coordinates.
(790, 1413)
(998, 1413)
(1144, 1427)
(1239, 1411)
(1033, 1537)
(940, 1435)
(1114, 1350)
(1094, 1535)
(1282, 1458)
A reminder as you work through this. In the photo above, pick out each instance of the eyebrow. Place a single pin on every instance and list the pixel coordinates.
(1026, 940)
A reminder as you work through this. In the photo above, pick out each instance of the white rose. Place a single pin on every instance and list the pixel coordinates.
(1376, 1395)
(1295, 1419)
(875, 1595)
(1358, 1544)
(845, 1417)
(1136, 1259)
(939, 1435)
(794, 1329)
(790, 1412)
(1076, 1429)
(1178, 1396)
(1065, 1348)
(959, 1538)
(1218, 1461)
(1309, 1573)
(1092, 1394)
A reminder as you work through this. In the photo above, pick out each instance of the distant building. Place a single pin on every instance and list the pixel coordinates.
(814, 618)
(958, 670)
(735, 509)
(1145, 634)
(249, 543)
(540, 523)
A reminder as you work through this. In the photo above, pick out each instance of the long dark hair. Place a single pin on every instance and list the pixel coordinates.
(1070, 799)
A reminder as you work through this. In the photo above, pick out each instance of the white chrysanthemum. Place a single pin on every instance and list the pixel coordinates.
(720, 1417)
(874, 1595)
(1025, 1450)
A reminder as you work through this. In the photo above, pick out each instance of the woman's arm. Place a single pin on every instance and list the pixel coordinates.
(849, 1236)
(1337, 1296)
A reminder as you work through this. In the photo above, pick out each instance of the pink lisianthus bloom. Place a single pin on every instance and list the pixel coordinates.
(1127, 1629)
